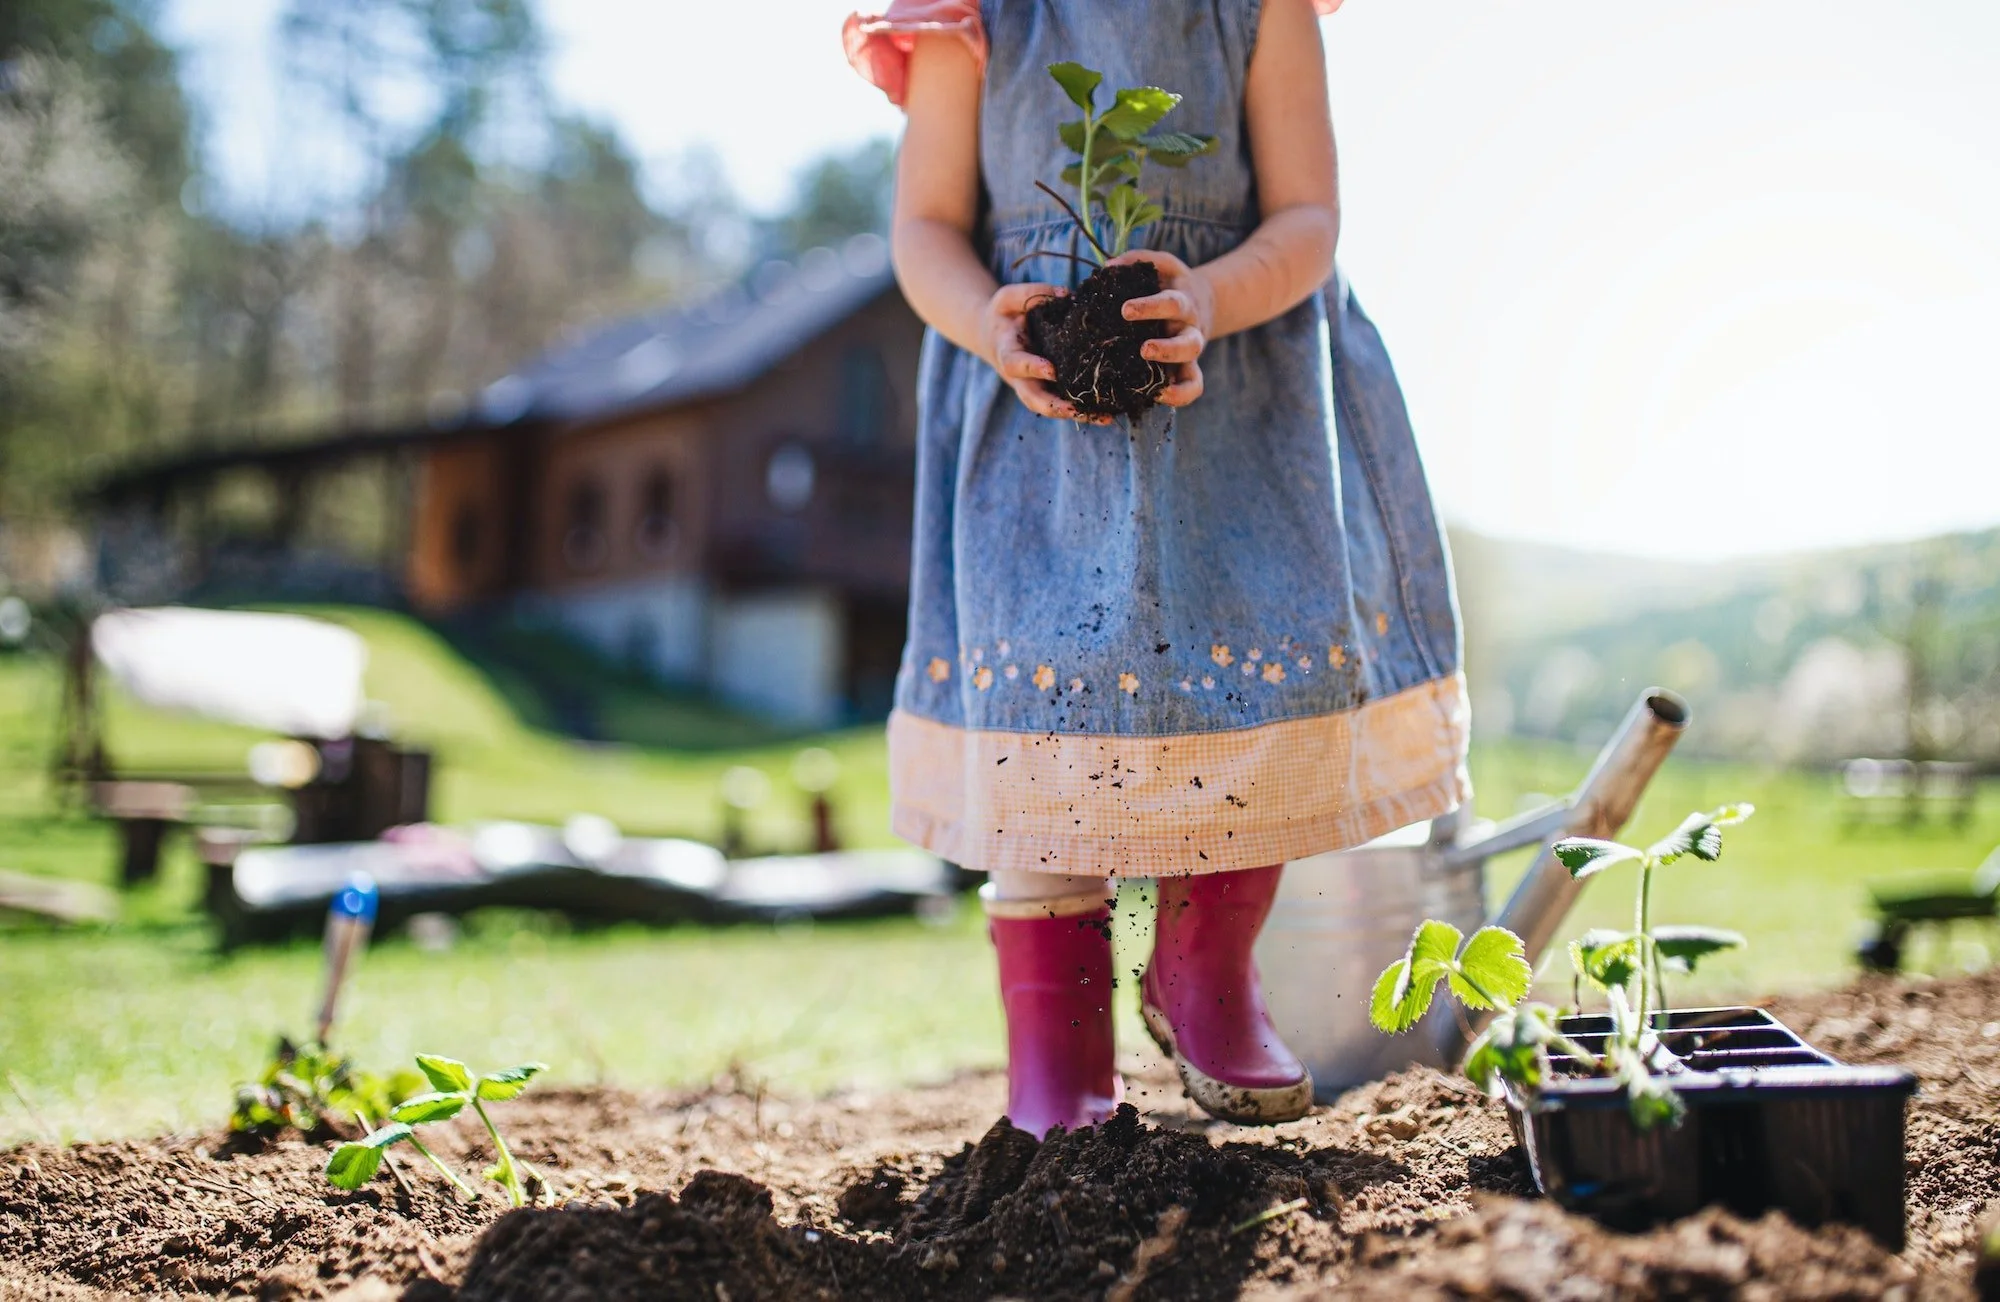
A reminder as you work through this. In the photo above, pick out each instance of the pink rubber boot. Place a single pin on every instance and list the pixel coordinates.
(1055, 981)
(1204, 1002)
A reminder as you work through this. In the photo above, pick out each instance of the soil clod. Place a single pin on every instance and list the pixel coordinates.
(1094, 349)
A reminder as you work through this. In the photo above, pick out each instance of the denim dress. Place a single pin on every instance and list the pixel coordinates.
(1207, 639)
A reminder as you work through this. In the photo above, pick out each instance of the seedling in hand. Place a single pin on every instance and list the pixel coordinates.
(1491, 972)
(1098, 354)
(454, 1088)
(1111, 148)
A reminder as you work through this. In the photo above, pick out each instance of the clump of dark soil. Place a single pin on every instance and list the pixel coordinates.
(1409, 1188)
(1094, 349)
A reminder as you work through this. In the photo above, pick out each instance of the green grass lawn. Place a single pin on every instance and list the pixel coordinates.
(142, 1026)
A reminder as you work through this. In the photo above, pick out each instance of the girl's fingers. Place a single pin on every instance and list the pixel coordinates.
(1183, 347)
(1013, 300)
(1169, 305)
(1184, 390)
(1169, 265)
(1020, 364)
(1037, 398)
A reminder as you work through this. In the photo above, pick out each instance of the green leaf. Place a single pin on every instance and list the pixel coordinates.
(1731, 815)
(1072, 135)
(1121, 203)
(1176, 148)
(498, 1086)
(1585, 856)
(1078, 82)
(1510, 1049)
(354, 1163)
(447, 1075)
(1073, 174)
(1494, 960)
(1682, 947)
(1697, 835)
(1136, 111)
(429, 1107)
(1605, 958)
(1147, 215)
(1403, 992)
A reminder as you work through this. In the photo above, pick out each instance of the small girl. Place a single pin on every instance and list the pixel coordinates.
(1191, 646)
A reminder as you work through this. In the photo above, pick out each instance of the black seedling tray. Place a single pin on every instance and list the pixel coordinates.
(1771, 1123)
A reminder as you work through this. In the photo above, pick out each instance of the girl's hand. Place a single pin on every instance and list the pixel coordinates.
(1186, 302)
(1004, 328)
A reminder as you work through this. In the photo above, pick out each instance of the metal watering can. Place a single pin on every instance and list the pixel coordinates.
(1340, 918)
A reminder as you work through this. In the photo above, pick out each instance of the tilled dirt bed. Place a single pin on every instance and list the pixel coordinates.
(1409, 1188)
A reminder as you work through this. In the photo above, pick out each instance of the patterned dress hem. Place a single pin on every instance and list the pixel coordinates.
(1171, 806)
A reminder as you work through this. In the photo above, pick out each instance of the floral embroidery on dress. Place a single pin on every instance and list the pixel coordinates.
(1382, 621)
(1305, 664)
(1011, 672)
(1045, 677)
(1255, 653)
(1337, 656)
(1221, 655)
(1128, 683)
(940, 669)
(982, 678)
(1274, 672)
(1208, 682)
(1075, 686)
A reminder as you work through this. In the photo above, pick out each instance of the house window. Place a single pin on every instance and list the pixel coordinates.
(584, 546)
(788, 477)
(866, 402)
(465, 538)
(658, 531)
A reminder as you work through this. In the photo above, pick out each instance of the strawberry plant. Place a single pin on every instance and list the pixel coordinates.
(1490, 972)
(310, 1089)
(1094, 349)
(453, 1089)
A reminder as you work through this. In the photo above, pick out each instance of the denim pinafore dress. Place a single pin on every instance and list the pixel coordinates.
(1215, 638)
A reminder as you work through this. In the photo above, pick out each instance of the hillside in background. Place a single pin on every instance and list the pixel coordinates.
(1887, 650)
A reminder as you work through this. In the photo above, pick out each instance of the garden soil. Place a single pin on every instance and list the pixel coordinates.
(1408, 1189)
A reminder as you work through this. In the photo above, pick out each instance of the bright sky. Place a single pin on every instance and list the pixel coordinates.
(1697, 279)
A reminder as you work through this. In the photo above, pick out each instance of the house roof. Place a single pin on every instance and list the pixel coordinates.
(683, 354)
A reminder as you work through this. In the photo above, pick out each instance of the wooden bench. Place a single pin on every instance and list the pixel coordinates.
(1907, 792)
(1900, 913)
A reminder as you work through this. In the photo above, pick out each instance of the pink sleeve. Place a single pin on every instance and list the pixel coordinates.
(1326, 7)
(879, 46)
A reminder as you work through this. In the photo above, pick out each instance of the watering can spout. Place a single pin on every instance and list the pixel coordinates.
(1599, 808)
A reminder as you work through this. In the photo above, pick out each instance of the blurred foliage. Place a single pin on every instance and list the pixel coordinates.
(137, 317)
(1890, 651)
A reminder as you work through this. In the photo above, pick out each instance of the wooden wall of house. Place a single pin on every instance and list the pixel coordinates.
(845, 402)
(458, 526)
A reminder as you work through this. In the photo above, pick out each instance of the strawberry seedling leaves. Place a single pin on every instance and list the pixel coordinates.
(447, 1075)
(1492, 970)
(1403, 992)
(1078, 82)
(1137, 110)
(1605, 958)
(1175, 148)
(426, 1108)
(1585, 856)
(354, 1163)
(498, 1086)
(1682, 947)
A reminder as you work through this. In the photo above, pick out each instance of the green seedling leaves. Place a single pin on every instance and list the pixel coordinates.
(1078, 82)
(1605, 958)
(447, 1075)
(1586, 856)
(354, 1163)
(1682, 947)
(1700, 834)
(1513, 1048)
(1175, 148)
(498, 1086)
(1137, 110)
(1403, 992)
(1490, 971)
(426, 1108)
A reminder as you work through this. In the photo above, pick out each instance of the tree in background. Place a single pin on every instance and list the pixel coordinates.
(838, 197)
